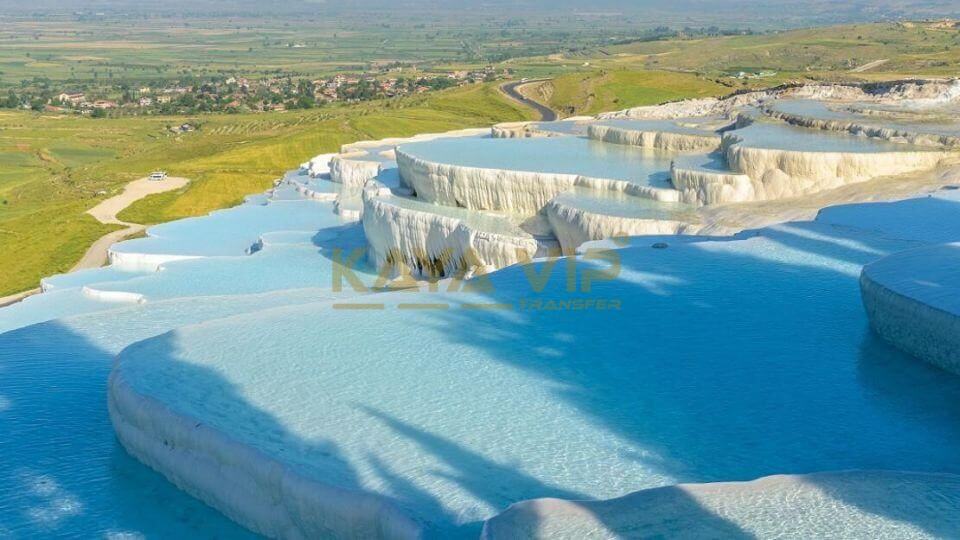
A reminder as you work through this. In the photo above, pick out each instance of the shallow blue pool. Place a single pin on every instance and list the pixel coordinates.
(63, 474)
(705, 126)
(777, 135)
(809, 108)
(725, 360)
(565, 155)
(230, 232)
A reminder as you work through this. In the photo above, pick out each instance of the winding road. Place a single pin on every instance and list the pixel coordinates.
(511, 90)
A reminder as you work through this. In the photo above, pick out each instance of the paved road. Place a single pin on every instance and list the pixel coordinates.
(510, 89)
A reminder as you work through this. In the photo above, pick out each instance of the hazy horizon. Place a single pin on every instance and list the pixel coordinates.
(729, 13)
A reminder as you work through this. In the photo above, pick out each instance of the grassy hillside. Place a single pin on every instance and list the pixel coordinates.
(598, 91)
(54, 168)
(224, 177)
(644, 72)
(908, 48)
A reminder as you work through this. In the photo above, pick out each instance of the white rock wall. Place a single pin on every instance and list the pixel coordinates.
(353, 173)
(434, 245)
(911, 301)
(703, 187)
(662, 140)
(518, 192)
(778, 173)
(859, 128)
(574, 226)
(249, 487)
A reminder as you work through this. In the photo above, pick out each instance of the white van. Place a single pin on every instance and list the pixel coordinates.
(158, 175)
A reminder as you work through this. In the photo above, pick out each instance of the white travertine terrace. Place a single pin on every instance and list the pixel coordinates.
(318, 165)
(435, 242)
(661, 140)
(518, 130)
(353, 171)
(913, 135)
(520, 192)
(274, 490)
(913, 301)
(574, 225)
(702, 185)
(779, 173)
(782, 506)
(528, 128)
(261, 493)
(742, 171)
(916, 92)
(142, 262)
(440, 221)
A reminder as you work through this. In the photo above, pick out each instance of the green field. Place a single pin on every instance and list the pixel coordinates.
(54, 168)
(115, 48)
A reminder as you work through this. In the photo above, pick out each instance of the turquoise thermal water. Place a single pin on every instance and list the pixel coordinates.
(564, 155)
(808, 108)
(714, 360)
(781, 136)
(622, 205)
(700, 126)
(63, 472)
(722, 360)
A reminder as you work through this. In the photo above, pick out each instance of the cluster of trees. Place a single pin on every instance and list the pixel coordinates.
(36, 102)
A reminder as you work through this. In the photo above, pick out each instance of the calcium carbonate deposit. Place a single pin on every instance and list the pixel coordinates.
(717, 318)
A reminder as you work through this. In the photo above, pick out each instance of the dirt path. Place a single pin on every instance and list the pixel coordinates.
(106, 213)
(869, 65)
